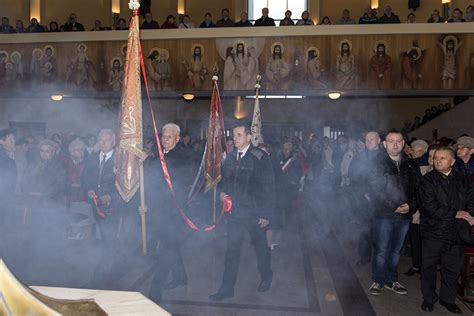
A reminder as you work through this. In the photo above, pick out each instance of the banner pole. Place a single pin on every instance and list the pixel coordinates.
(143, 208)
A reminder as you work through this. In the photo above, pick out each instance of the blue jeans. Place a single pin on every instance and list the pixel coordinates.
(389, 235)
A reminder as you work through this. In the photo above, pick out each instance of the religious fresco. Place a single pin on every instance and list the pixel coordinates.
(277, 69)
(393, 62)
(449, 46)
(345, 66)
(158, 69)
(314, 68)
(196, 69)
(412, 61)
(380, 74)
(116, 73)
(81, 74)
(241, 57)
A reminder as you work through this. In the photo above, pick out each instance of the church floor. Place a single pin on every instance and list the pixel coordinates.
(314, 274)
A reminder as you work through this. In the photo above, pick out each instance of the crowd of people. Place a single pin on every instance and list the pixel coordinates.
(430, 113)
(183, 21)
(63, 187)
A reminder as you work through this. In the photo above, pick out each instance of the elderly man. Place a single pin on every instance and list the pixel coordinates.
(98, 180)
(166, 225)
(81, 211)
(393, 195)
(247, 179)
(446, 196)
(360, 168)
(465, 156)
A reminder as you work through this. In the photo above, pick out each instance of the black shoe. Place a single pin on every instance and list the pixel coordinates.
(427, 307)
(265, 284)
(453, 308)
(412, 272)
(174, 284)
(221, 294)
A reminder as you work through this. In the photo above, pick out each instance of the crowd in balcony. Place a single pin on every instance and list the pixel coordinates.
(184, 21)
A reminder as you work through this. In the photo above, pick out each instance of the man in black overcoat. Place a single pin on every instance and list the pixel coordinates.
(248, 179)
(447, 204)
(167, 229)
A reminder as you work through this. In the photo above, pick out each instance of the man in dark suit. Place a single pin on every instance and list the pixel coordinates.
(447, 202)
(248, 179)
(265, 20)
(166, 226)
(99, 182)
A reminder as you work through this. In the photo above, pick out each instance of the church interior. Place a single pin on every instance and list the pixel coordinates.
(328, 80)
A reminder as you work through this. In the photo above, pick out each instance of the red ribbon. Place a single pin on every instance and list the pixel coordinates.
(97, 208)
(186, 219)
(226, 208)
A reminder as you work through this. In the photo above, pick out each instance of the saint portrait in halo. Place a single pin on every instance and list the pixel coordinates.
(411, 67)
(314, 68)
(380, 73)
(81, 73)
(159, 69)
(48, 64)
(277, 69)
(345, 72)
(116, 73)
(241, 64)
(196, 71)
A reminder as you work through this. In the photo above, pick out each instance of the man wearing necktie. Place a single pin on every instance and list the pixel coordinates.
(99, 182)
(248, 179)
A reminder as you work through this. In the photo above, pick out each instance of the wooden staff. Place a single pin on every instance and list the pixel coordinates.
(214, 201)
(143, 207)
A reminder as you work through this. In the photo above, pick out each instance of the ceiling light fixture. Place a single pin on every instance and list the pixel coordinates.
(188, 97)
(334, 95)
(56, 97)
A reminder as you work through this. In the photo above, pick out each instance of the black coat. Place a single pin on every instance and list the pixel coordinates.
(391, 187)
(100, 185)
(250, 183)
(268, 21)
(162, 210)
(441, 197)
(104, 185)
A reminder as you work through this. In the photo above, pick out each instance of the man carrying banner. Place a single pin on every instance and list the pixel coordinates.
(166, 225)
(247, 179)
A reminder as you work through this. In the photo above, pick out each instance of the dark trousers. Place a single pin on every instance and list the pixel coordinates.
(451, 259)
(110, 253)
(169, 261)
(235, 233)
(415, 240)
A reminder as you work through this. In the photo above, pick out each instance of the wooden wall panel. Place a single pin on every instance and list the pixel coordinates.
(100, 55)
